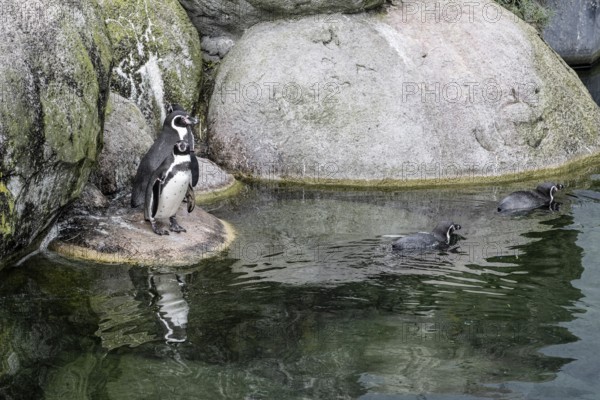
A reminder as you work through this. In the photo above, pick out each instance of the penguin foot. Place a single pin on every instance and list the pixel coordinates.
(157, 230)
(175, 227)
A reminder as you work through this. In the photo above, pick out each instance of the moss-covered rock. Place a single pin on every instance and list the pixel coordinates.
(157, 55)
(55, 62)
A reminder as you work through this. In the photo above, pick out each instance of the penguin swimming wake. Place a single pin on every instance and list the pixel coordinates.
(542, 196)
(177, 126)
(437, 239)
(167, 188)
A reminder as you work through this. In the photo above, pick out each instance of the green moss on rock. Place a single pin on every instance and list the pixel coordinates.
(7, 206)
(157, 54)
(57, 72)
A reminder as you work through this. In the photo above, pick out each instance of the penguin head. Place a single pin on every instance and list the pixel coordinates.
(179, 121)
(548, 189)
(444, 229)
(183, 120)
(181, 148)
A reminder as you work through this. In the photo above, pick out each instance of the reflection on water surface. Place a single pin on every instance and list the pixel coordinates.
(310, 302)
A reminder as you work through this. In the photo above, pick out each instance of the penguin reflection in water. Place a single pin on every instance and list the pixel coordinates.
(167, 188)
(441, 238)
(526, 200)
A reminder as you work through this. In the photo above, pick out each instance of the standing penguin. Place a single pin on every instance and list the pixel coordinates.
(177, 126)
(167, 187)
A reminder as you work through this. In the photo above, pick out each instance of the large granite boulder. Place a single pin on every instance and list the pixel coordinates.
(401, 97)
(157, 55)
(55, 60)
(574, 30)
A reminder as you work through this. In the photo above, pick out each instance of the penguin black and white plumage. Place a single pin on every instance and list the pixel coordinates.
(437, 239)
(167, 188)
(177, 126)
(542, 196)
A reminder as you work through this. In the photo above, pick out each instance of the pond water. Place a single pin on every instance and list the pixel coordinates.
(591, 79)
(310, 302)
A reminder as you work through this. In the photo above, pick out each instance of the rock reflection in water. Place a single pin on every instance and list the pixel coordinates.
(323, 238)
(324, 309)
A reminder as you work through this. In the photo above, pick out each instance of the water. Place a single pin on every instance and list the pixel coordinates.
(591, 79)
(310, 302)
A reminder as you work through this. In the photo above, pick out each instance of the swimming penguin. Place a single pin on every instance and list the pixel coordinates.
(167, 188)
(177, 126)
(542, 196)
(439, 238)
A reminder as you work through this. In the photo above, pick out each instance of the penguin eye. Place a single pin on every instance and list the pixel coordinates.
(179, 121)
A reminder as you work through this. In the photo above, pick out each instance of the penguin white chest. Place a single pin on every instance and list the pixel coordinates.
(172, 194)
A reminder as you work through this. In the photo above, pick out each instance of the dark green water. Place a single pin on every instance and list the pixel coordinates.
(310, 303)
(591, 79)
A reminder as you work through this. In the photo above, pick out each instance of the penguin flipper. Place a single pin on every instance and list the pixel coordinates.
(195, 168)
(156, 189)
(152, 198)
(190, 199)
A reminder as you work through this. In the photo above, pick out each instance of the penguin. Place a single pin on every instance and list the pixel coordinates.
(542, 196)
(167, 187)
(437, 239)
(177, 126)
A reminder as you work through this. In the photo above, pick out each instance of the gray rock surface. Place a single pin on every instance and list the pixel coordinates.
(55, 61)
(122, 236)
(216, 18)
(574, 30)
(212, 178)
(91, 199)
(397, 98)
(215, 48)
(127, 137)
(157, 55)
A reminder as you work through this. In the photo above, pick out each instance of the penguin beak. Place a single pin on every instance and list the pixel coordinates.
(190, 120)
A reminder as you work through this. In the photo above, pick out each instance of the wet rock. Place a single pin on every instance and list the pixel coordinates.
(127, 137)
(99, 229)
(121, 235)
(573, 30)
(157, 55)
(388, 99)
(55, 59)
